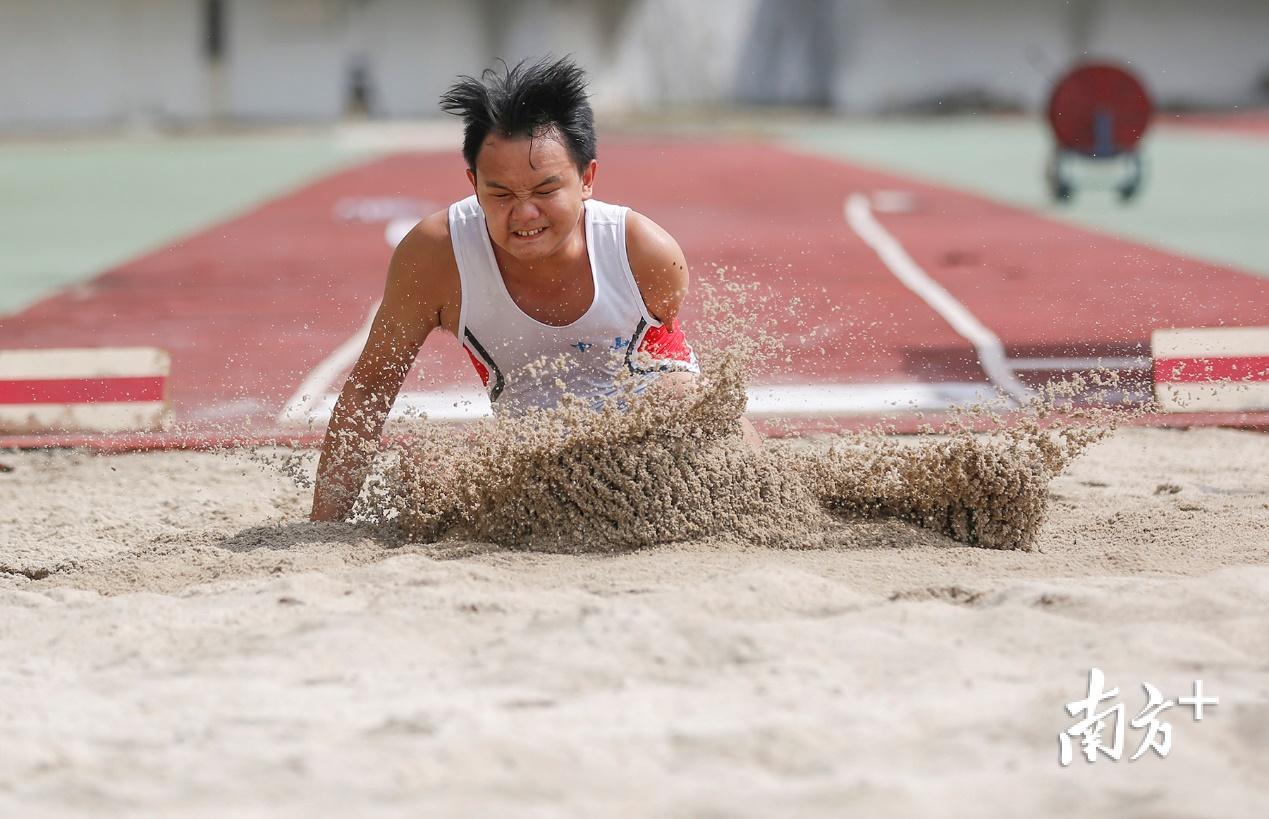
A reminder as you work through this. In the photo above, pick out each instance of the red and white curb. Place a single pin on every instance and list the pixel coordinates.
(106, 389)
(1211, 369)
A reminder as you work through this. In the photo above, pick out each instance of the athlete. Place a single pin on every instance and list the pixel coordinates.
(551, 291)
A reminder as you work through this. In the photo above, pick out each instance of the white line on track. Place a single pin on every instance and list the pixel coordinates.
(991, 353)
(322, 377)
(1134, 362)
(315, 399)
(783, 401)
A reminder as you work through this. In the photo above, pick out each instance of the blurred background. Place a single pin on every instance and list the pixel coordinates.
(226, 179)
(73, 64)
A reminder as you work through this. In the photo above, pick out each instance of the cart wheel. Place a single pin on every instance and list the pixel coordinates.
(1129, 188)
(1059, 188)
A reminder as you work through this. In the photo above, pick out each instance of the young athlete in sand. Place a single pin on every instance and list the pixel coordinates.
(551, 292)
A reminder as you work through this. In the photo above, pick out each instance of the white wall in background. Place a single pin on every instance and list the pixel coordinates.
(902, 53)
(291, 59)
(285, 59)
(672, 52)
(1206, 53)
(99, 62)
(415, 49)
(896, 53)
(78, 63)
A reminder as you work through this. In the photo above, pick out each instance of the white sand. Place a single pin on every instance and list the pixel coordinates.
(197, 649)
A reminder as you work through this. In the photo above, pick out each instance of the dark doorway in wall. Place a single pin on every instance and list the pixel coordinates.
(359, 97)
(214, 30)
(790, 54)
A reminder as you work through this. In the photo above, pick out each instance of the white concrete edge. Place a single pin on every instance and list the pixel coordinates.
(1212, 396)
(84, 362)
(1195, 342)
(108, 416)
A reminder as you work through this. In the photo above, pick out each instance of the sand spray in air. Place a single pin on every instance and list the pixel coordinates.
(651, 468)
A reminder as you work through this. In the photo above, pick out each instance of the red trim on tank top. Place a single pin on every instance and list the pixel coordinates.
(667, 343)
(481, 369)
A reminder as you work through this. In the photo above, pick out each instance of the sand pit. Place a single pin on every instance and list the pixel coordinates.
(671, 464)
(178, 641)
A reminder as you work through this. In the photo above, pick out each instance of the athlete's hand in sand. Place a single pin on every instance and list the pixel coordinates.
(660, 270)
(682, 386)
(423, 292)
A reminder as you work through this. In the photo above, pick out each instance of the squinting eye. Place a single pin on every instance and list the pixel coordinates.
(548, 193)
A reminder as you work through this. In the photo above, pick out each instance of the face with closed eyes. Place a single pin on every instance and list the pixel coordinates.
(532, 194)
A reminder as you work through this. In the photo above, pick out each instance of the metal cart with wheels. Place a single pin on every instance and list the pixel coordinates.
(1098, 111)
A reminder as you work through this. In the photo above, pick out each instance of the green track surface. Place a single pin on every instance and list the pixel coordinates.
(71, 209)
(1205, 193)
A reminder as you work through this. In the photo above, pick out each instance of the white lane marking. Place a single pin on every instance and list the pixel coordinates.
(863, 399)
(462, 404)
(472, 403)
(321, 379)
(1135, 362)
(991, 353)
(893, 201)
(395, 231)
(374, 209)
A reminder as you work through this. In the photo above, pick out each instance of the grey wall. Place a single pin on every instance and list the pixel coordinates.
(285, 59)
(88, 62)
(77, 63)
(1193, 53)
(896, 54)
(903, 53)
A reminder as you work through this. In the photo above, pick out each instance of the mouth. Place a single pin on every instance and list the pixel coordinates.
(527, 234)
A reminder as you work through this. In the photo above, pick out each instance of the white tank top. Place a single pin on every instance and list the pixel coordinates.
(527, 364)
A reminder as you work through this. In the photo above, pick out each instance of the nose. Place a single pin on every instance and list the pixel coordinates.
(524, 211)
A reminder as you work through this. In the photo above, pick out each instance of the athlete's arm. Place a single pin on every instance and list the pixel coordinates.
(420, 294)
(659, 266)
(660, 270)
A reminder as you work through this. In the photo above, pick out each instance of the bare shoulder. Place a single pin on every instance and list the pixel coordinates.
(423, 280)
(658, 264)
(425, 251)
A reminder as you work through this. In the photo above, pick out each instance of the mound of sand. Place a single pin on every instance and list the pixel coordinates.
(193, 647)
(647, 471)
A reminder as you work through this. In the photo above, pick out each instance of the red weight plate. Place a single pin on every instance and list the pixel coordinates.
(1095, 90)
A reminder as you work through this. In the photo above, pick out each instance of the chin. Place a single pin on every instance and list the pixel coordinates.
(536, 250)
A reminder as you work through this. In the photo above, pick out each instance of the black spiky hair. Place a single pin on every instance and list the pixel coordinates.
(527, 99)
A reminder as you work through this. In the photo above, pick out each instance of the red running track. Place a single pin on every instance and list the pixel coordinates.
(249, 307)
